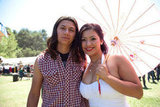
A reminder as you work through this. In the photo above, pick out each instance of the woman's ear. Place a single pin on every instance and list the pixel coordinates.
(101, 42)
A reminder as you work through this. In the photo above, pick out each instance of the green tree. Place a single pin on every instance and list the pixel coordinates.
(27, 52)
(44, 34)
(8, 45)
(32, 43)
(24, 38)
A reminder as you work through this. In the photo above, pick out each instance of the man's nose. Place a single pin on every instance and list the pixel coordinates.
(66, 31)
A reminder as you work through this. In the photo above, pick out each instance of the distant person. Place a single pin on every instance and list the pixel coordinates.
(15, 69)
(158, 71)
(1, 60)
(4, 70)
(28, 69)
(1, 70)
(21, 72)
(10, 69)
(144, 81)
(151, 74)
(58, 70)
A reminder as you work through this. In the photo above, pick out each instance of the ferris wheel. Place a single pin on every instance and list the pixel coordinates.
(131, 28)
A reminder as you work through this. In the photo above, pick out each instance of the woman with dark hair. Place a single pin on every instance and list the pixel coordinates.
(108, 78)
(59, 69)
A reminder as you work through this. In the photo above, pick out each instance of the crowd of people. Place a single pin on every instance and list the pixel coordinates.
(153, 76)
(21, 70)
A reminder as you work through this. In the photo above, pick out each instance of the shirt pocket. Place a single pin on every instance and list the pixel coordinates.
(52, 77)
(77, 73)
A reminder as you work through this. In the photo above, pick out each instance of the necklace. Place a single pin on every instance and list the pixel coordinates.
(93, 65)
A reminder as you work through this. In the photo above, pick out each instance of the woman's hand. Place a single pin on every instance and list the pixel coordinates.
(102, 71)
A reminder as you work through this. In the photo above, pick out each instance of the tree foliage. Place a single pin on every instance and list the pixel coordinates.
(8, 45)
(24, 43)
(32, 43)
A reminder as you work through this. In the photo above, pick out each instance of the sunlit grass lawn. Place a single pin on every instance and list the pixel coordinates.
(151, 96)
(14, 94)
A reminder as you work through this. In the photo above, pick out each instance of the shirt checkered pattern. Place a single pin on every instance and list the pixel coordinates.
(60, 87)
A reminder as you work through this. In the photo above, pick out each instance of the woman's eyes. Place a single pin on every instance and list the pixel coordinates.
(92, 39)
(83, 39)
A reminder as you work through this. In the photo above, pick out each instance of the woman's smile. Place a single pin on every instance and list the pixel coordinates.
(89, 49)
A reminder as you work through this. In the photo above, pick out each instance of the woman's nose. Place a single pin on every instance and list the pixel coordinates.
(88, 43)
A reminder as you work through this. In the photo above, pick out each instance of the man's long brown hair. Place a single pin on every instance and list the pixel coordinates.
(53, 40)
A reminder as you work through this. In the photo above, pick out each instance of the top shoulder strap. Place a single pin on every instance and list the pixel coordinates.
(105, 58)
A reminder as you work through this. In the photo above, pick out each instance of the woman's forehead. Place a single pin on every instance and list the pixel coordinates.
(89, 32)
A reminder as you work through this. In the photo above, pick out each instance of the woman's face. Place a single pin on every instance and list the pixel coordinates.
(91, 43)
(66, 31)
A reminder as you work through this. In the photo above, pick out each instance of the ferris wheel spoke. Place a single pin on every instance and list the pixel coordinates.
(137, 36)
(119, 47)
(127, 17)
(110, 14)
(84, 21)
(124, 50)
(138, 57)
(147, 35)
(142, 50)
(140, 16)
(144, 44)
(127, 54)
(143, 27)
(101, 14)
(110, 50)
(118, 17)
(93, 17)
(113, 51)
(139, 71)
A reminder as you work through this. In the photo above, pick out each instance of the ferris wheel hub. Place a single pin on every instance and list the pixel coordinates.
(114, 41)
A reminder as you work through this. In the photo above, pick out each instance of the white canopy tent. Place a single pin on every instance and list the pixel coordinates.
(16, 61)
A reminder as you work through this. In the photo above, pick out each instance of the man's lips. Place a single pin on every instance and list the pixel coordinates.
(66, 38)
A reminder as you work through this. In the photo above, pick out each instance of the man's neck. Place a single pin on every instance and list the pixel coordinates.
(63, 49)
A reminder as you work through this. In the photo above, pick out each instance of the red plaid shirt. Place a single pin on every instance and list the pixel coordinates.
(60, 84)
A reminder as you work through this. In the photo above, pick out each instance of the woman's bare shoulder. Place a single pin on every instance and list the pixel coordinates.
(116, 57)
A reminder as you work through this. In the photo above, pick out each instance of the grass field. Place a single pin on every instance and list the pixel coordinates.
(14, 94)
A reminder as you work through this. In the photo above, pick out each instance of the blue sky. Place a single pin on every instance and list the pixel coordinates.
(38, 14)
(34, 14)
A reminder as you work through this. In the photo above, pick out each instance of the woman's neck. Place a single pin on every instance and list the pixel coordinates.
(96, 57)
